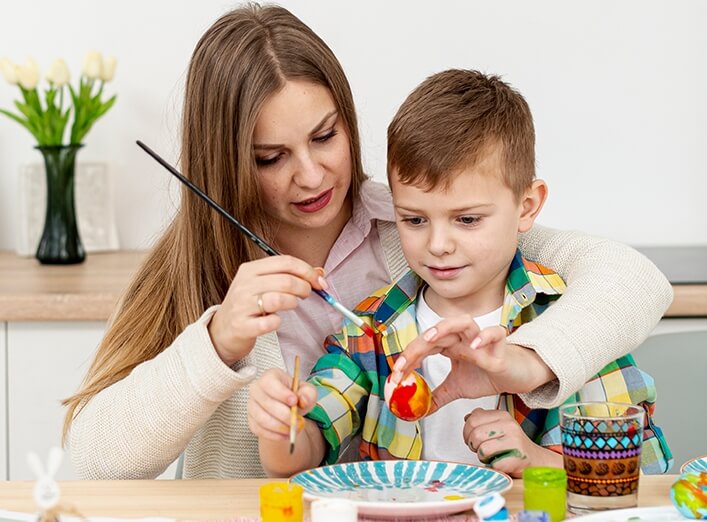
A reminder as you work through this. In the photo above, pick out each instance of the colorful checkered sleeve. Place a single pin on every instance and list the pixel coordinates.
(620, 381)
(343, 388)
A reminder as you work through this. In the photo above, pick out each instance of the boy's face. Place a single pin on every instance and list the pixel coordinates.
(461, 239)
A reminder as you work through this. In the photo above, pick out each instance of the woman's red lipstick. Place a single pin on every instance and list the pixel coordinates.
(316, 203)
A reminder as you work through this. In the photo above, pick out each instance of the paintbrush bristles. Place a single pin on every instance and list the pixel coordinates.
(293, 409)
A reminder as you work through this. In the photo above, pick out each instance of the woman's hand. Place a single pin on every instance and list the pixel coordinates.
(500, 442)
(269, 404)
(482, 362)
(260, 290)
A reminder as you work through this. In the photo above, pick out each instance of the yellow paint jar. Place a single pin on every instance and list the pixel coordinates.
(281, 502)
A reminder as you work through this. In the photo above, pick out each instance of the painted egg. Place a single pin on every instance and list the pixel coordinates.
(411, 399)
(689, 495)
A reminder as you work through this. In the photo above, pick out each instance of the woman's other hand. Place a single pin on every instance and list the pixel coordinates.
(260, 290)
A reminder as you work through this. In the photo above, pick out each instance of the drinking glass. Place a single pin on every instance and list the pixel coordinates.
(601, 444)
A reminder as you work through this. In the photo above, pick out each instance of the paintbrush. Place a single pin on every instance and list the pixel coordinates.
(252, 236)
(293, 409)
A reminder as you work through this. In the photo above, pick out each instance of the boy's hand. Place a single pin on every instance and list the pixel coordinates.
(500, 442)
(482, 362)
(270, 401)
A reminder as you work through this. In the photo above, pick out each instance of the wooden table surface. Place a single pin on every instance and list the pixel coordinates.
(217, 499)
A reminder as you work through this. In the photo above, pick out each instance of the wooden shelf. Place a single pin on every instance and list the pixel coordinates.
(686, 268)
(688, 301)
(88, 291)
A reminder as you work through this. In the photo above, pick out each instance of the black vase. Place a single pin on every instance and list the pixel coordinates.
(60, 243)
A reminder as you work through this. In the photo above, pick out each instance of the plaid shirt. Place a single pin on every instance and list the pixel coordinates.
(350, 378)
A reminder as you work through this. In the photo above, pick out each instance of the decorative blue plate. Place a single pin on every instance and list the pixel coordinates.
(403, 488)
(697, 464)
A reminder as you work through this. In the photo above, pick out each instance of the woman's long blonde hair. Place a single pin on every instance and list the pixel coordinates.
(243, 58)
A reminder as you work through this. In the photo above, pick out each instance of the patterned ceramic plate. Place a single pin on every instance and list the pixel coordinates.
(641, 514)
(403, 488)
(697, 464)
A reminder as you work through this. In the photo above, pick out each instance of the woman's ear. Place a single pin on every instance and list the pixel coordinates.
(531, 204)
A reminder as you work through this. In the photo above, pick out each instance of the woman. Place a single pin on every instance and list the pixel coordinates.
(269, 131)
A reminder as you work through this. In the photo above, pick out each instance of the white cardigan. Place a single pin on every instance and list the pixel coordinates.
(187, 400)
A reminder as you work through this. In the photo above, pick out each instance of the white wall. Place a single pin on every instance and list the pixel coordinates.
(618, 90)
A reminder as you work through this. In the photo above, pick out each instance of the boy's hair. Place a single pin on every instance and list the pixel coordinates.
(450, 121)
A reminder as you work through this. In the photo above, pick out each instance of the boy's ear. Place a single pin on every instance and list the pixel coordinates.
(531, 204)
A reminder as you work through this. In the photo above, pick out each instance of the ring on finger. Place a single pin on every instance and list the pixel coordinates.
(259, 302)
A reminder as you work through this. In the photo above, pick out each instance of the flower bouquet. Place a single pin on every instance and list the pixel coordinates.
(46, 116)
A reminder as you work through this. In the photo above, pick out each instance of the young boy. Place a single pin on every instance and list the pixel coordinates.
(461, 167)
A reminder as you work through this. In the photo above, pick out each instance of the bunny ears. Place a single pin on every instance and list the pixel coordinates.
(46, 490)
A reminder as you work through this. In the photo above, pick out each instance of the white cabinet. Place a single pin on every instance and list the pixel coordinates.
(675, 355)
(3, 402)
(52, 318)
(46, 362)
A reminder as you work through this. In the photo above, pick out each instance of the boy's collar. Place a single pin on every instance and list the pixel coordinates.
(526, 279)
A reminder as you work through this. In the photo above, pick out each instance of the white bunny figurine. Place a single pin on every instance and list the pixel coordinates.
(46, 490)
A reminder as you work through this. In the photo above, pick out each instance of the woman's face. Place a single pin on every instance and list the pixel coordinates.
(304, 161)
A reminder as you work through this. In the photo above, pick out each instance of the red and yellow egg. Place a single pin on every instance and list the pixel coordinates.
(411, 399)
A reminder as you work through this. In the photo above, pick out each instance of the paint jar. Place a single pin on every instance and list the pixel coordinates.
(545, 489)
(491, 507)
(533, 516)
(329, 509)
(281, 502)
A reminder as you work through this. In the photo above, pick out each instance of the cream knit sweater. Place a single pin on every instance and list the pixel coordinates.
(186, 400)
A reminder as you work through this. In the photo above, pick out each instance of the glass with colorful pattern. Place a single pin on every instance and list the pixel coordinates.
(601, 443)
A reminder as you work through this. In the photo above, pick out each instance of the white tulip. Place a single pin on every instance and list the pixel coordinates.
(32, 64)
(58, 73)
(108, 68)
(92, 65)
(9, 71)
(28, 74)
